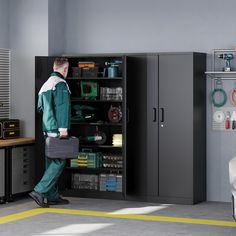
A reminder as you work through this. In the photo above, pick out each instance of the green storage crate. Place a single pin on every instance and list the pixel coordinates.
(89, 159)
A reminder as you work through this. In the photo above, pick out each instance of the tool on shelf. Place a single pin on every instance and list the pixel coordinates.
(117, 140)
(98, 137)
(227, 57)
(113, 69)
(114, 114)
(227, 120)
(108, 93)
(218, 92)
(87, 159)
(84, 113)
(89, 90)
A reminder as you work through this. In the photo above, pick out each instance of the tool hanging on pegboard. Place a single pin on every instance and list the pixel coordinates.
(233, 119)
(218, 93)
(231, 96)
(227, 120)
(219, 116)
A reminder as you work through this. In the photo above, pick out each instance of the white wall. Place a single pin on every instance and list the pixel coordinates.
(56, 27)
(28, 38)
(150, 25)
(4, 24)
(111, 26)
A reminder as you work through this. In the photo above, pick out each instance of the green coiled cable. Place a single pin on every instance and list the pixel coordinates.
(222, 103)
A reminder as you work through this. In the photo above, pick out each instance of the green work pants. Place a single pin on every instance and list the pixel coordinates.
(47, 186)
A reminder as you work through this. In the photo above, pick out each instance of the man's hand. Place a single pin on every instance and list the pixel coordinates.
(63, 134)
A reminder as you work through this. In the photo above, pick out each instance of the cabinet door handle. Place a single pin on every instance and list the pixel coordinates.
(162, 114)
(154, 114)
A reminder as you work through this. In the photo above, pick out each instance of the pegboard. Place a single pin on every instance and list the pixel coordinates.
(220, 114)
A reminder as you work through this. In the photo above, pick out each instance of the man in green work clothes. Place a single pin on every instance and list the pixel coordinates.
(54, 102)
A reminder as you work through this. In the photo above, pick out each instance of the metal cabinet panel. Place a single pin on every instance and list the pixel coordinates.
(2, 172)
(142, 127)
(176, 125)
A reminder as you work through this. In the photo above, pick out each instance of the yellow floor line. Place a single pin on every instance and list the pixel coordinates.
(38, 211)
(145, 217)
(21, 215)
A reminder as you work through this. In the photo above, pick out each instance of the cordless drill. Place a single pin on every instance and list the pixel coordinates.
(227, 57)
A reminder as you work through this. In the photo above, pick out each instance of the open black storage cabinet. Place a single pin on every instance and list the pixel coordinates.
(106, 180)
(163, 126)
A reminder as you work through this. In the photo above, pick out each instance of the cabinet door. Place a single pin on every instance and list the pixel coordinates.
(136, 126)
(43, 69)
(142, 126)
(176, 125)
(152, 126)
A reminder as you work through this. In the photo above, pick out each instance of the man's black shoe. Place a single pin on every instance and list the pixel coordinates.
(59, 201)
(38, 199)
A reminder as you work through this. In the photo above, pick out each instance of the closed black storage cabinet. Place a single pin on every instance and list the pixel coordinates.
(170, 112)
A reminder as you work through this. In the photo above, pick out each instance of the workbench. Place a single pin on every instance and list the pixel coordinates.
(17, 167)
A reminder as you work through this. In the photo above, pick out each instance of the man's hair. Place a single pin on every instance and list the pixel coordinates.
(60, 62)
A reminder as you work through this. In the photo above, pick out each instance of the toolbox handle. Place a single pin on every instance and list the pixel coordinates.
(87, 150)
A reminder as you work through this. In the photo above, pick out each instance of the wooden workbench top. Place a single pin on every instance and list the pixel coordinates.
(16, 141)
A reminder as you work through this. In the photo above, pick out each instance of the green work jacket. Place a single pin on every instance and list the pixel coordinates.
(54, 102)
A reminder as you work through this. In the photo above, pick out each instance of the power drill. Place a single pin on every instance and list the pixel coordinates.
(227, 57)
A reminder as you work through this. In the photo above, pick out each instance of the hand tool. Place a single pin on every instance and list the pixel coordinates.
(227, 57)
(227, 121)
(233, 119)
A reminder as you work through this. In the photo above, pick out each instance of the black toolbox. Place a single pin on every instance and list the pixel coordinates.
(9, 128)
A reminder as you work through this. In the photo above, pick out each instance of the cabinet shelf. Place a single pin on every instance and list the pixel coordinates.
(95, 171)
(95, 123)
(95, 101)
(99, 146)
(224, 50)
(221, 74)
(94, 78)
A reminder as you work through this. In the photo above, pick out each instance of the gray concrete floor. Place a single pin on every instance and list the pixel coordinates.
(72, 225)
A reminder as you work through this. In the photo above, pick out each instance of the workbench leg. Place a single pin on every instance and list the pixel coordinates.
(8, 181)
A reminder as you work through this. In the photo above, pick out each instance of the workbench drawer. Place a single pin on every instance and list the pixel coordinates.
(23, 169)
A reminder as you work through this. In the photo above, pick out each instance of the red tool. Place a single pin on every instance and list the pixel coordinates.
(227, 121)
